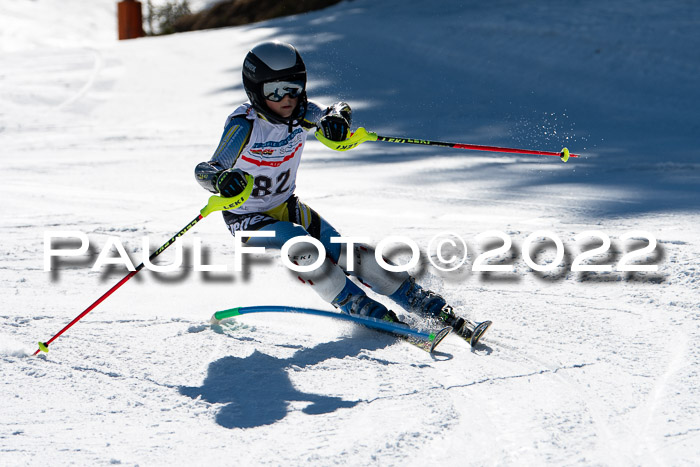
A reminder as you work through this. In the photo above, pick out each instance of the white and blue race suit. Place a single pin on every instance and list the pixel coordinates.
(271, 154)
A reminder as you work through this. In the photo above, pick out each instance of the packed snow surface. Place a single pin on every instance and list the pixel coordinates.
(593, 368)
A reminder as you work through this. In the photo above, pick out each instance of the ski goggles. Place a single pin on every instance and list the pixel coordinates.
(276, 90)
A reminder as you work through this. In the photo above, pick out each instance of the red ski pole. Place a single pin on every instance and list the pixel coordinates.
(216, 203)
(361, 135)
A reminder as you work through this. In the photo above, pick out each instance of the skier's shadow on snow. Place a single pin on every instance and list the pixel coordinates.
(257, 390)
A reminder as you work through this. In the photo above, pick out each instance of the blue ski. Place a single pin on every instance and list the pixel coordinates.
(425, 340)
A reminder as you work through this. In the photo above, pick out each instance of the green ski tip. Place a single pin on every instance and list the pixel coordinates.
(220, 315)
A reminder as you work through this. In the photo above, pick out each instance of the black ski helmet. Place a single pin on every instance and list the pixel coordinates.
(273, 61)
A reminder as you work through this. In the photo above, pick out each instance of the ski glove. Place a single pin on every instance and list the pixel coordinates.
(336, 123)
(231, 182)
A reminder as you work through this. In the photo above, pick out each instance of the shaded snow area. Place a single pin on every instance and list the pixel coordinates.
(590, 368)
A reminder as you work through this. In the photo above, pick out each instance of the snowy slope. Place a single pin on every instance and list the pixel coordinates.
(578, 368)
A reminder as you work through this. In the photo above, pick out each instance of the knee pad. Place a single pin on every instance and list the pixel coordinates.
(369, 272)
(327, 280)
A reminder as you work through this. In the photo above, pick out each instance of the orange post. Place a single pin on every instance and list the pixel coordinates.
(130, 19)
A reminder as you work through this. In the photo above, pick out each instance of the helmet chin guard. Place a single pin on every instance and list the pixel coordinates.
(273, 61)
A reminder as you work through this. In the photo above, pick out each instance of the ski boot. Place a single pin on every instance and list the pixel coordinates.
(415, 299)
(353, 301)
(412, 297)
(464, 328)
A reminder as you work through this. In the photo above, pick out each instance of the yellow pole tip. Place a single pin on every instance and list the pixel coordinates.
(564, 155)
(43, 346)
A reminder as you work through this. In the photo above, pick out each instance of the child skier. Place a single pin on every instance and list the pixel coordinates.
(265, 139)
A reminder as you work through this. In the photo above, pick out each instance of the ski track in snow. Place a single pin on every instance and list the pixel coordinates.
(578, 368)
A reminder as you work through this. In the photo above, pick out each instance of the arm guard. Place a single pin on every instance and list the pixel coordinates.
(335, 124)
(314, 112)
(233, 140)
(342, 109)
(206, 175)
